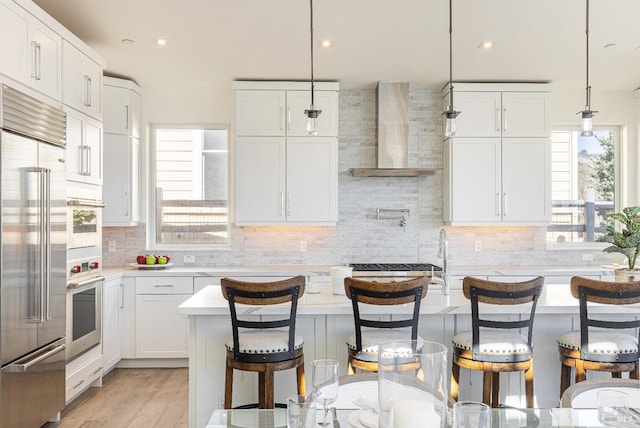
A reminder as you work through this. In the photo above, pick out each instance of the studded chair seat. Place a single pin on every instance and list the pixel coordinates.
(494, 343)
(370, 331)
(601, 343)
(264, 342)
(494, 346)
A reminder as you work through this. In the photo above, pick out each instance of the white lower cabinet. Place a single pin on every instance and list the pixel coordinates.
(112, 306)
(160, 331)
(83, 372)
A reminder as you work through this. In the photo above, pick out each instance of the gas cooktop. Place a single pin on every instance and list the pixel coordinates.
(395, 267)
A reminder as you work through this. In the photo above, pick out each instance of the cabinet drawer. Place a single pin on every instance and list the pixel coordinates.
(165, 285)
(82, 372)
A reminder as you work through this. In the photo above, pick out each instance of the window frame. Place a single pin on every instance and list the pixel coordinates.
(619, 151)
(152, 176)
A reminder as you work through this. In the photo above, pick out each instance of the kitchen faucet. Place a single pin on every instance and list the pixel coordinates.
(443, 253)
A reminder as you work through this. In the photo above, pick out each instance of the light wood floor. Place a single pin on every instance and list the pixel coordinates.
(132, 398)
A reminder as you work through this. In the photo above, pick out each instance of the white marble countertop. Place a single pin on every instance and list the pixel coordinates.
(555, 299)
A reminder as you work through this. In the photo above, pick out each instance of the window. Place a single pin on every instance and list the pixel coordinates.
(189, 172)
(583, 184)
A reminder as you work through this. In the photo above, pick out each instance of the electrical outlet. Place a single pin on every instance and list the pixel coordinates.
(189, 259)
(112, 246)
(303, 246)
(477, 246)
(587, 257)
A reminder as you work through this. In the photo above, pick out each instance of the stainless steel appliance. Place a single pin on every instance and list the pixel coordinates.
(84, 305)
(84, 220)
(391, 270)
(32, 260)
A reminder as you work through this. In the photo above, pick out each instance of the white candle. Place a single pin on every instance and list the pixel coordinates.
(414, 414)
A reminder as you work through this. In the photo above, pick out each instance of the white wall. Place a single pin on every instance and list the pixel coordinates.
(359, 237)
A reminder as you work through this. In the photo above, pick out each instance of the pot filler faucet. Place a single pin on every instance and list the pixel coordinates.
(443, 253)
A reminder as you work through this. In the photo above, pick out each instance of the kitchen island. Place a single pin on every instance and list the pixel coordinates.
(325, 321)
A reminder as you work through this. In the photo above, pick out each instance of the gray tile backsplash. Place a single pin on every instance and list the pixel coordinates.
(359, 236)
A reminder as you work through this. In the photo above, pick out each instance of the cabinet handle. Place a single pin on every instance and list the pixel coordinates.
(82, 160)
(36, 66)
(281, 204)
(288, 118)
(121, 296)
(78, 384)
(126, 117)
(39, 61)
(126, 203)
(89, 160)
(504, 202)
(498, 119)
(288, 204)
(87, 90)
(163, 285)
(498, 204)
(505, 120)
(98, 370)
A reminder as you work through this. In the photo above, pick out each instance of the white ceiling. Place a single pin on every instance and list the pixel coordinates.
(213, 42)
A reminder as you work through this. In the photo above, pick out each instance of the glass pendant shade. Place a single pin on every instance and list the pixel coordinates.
(450, 123)
(587, 123)
(312, 124)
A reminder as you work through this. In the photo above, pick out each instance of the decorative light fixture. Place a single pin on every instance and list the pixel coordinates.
(450, 115)
(587, 113)
(312, 113)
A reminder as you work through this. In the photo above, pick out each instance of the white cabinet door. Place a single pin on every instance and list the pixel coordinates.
(14, 33)
(112, 302)
(480, 114)
(46, 59)
(475, 180)
(82, 81)
(121, 110)
(260, 179)
(526, 172)
(299, 101)
(128, 318)
(84, 148)
(312, 179)
(160, 331)
(120, 188)
(526, 114)
(260, 113)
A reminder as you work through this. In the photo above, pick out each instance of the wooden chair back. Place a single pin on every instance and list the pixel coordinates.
(501, 293)
(412, 290)
(611, 293)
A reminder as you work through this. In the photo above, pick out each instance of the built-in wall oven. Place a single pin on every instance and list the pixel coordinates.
(84, 305)
(84, 219)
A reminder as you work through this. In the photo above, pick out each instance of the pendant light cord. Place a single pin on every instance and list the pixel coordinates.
(451, 55)
(588, 105)
(311, 26)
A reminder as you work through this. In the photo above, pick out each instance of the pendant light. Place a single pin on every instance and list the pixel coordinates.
(312, 113)
(587, 113)
(450, 115)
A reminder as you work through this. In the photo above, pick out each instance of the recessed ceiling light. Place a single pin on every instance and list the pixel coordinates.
(127, 41)
(161, 41)
(326, 43)
(486, 44)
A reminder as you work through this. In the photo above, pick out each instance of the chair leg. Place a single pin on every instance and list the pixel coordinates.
(486, 386)
(455, 379)
(495, 389)
(302, 388)
(633, 374)
(350, 369)
(581, 373)
(565, 378)
(528, 382)
(261, 390)
(616, 375)
(269, 400)
(228, 386)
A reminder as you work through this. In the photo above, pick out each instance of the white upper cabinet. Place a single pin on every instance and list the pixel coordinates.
(122, 152)
(82, 81)
(283, 176)
(84, 148)
(30, 52)
(498, 165)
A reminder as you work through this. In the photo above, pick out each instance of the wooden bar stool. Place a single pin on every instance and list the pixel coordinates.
(363, 345)
(489, 346)
(600, 344)
(263, 346)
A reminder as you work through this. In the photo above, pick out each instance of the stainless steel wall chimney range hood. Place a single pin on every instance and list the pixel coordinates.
(393, 134)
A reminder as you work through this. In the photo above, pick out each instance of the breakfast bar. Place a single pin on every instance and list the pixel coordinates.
(325, 320)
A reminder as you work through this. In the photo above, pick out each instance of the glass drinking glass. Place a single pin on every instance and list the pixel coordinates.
(300, 412)
(613, 408)
(324, 376)
(471, 414)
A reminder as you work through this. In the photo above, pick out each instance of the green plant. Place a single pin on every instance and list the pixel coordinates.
(626, 241)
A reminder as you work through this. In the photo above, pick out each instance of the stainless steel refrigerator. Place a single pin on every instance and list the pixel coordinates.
(32, 260)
